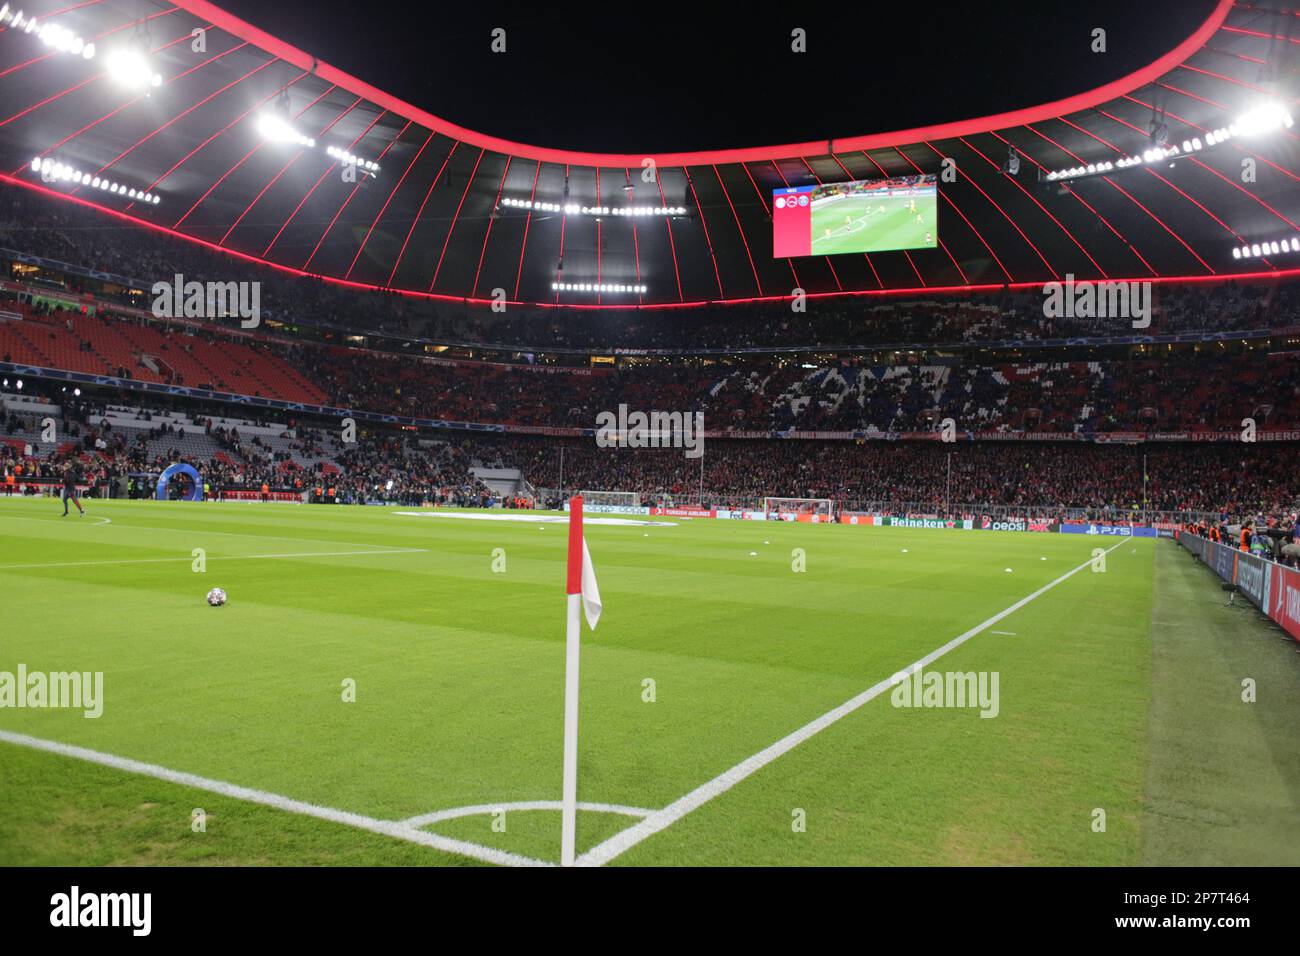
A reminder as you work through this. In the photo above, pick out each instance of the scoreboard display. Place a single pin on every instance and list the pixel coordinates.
(866, 215)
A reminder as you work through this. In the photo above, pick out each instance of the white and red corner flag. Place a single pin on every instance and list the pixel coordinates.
(582, 576)
(583, 598)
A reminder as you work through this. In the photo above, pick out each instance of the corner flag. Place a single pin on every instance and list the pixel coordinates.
(584, 596)
(582, 576)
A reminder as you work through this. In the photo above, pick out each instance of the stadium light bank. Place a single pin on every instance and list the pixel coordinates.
(1265, 118)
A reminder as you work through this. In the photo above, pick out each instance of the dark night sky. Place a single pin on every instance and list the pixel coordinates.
(653, 77)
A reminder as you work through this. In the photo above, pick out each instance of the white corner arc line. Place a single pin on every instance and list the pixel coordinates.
(389, 828)
(99, 520)
(482, 809)
(621, 842)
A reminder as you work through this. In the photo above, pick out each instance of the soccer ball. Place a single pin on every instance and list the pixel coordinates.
(216, 597)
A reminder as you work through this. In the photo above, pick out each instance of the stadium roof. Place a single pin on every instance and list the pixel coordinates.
(430, 221)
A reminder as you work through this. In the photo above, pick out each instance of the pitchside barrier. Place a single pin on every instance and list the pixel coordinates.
(1029, 514)
(1271, 587)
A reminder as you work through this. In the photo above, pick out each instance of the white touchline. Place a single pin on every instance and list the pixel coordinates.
(391, 828)
(190, 532)
(211, 557)
(623, 841)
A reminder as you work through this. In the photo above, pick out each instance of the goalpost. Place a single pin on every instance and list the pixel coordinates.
(630, 499)
(799, 509)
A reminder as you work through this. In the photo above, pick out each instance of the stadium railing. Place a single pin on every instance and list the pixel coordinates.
(1271, 587)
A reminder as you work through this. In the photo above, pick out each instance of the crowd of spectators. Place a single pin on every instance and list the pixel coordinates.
(394, 467)
(1274, 536)
(1188, 390)
(1035, 479)
(1065, 391)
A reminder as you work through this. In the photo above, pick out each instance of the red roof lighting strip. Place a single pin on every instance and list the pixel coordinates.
(1131, 198)
(1013, 223)
(316, 185)
(238, 119)
(1044, 209)
(487, 235)
(758, 285)
(668, 224)
(1119, 235)
(454, 218)
(991, 287)
(704, 221)
(285, 168)
(528, 221)
(243, 159)
(764, 200)
(351, 194)
(636, 245)
(179, 116)
(429, 192)
(383, 209)
(1191, 199)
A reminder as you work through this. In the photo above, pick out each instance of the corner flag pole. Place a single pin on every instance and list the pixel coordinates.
(569, 806)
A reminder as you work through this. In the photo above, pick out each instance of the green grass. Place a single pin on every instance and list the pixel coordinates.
(459, 676)
(1224, 778)
(855, 225)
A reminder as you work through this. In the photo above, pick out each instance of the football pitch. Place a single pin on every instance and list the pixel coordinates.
(857, 224)
(386, 686)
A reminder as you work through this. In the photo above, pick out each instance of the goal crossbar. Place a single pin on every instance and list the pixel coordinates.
(628, 498)
(781, 507)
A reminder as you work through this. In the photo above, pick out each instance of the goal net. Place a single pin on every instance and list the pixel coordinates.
(799, 509)
(631, 499)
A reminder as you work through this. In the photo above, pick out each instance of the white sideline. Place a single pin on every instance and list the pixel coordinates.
(623, 841)
(402, 831)
(191, 532)
(215, 557)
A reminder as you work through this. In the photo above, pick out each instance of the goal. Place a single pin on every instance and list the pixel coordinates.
(628, 499)
(799, 509)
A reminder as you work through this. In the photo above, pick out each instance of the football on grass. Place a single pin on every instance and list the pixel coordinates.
(216, 597)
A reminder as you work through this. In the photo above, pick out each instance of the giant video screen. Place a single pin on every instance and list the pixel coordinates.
(868, 215)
